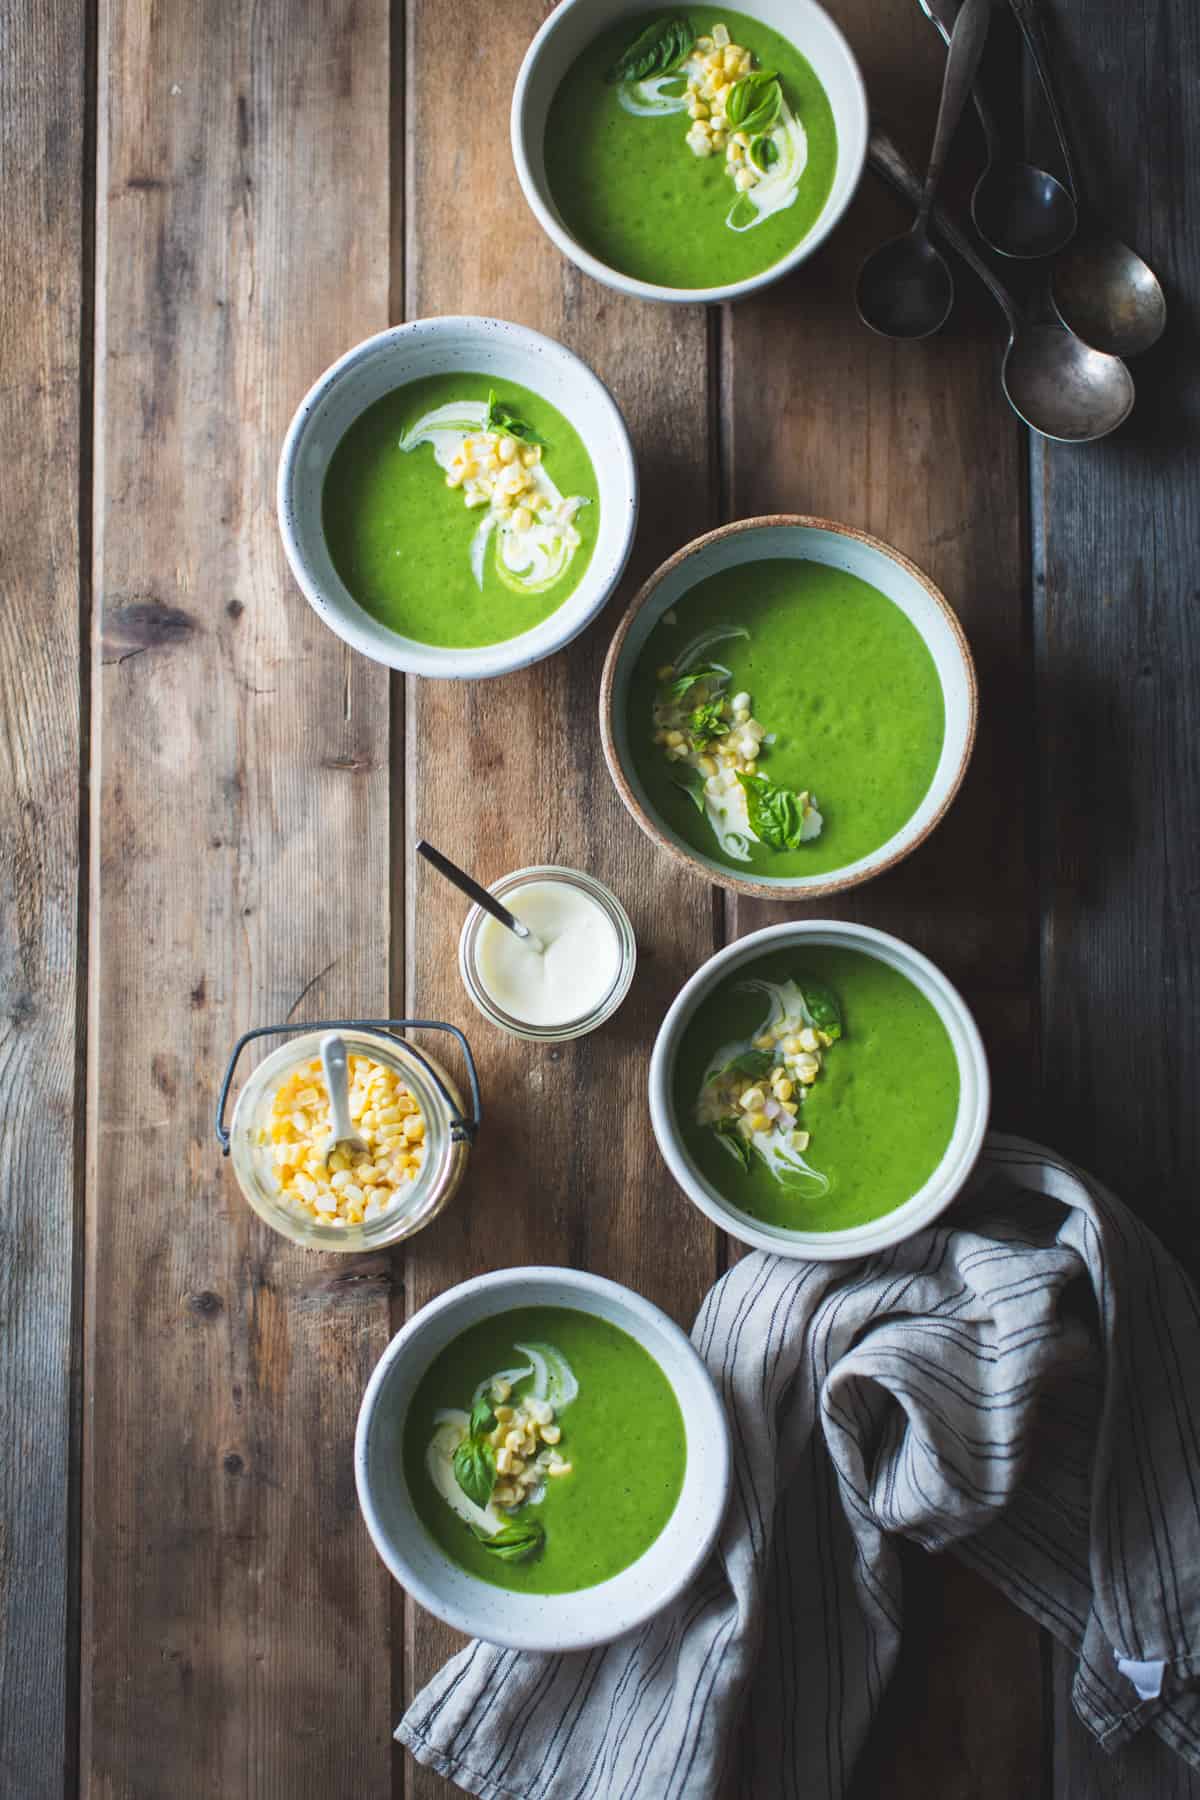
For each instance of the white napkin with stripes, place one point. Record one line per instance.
(1016, 1384)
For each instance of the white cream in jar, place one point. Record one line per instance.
(578, 979)
(574, 972)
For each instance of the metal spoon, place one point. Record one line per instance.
(1018, 209)
(337, 1085)
(467, 885)
(1101, 289)
(1060, 386)
(905, 288)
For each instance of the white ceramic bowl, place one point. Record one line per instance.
(808, 540)
(969, 1126)
(439, 347)
(556, 1622)
(568, 31)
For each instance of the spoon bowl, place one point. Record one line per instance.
(1063, 388)
(905, 288)
(1103, 291)
(1023, 211)
(1019, 211)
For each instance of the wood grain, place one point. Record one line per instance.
(44, 77)
(1118, 659)
(566, 1171)
(235, 1619)
(915, 443)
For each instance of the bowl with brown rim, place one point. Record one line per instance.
(808, 540)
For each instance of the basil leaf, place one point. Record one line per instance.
(513, 1543)
(776, 815)
(823, 1008)
(503, 420)
(754, 1063)
(764, 152)
(691, 783)
(662, 44)
(483, 1419)
(706, 723)
(682, 683)
(475, 1469)
(754, 102)
(727, 1134)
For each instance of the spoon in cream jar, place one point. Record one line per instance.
(488, 902)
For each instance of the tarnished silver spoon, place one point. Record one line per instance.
(1101, 289)
(1060, 386)
(1018, 209)
(905, 288)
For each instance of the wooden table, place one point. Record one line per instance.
(207, 806)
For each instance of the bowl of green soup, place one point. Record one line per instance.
(542, 1459)
(458, 497)
(788, 707)
(819, 1089)
(692, 154)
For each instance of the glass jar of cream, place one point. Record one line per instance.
(575, 981)
(277, 1166)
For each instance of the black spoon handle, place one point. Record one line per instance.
(942, 15)
(1034, 32)
(962, 60)
(471, 888)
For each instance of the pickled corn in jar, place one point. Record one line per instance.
(404, 1106)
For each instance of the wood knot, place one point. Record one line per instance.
(132, 627)
(206, 1303)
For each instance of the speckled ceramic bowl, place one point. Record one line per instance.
(573, 25)
(970, 1124)
(554, 1622)
(843, 547)
(439, 347)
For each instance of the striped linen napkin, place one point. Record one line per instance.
(1011, 1384)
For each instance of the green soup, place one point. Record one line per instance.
(621, 1434)
(879, 1113)
(416, 556)
(840, 680)
(633, 192)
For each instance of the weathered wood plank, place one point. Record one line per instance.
(567, 1170)
(44, 75)
(235, 1620)
(1118, 661)
(915, 443)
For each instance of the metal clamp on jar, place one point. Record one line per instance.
(268, 1149)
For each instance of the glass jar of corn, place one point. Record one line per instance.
(412, 1140)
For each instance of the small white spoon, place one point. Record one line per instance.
(337, 1085)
